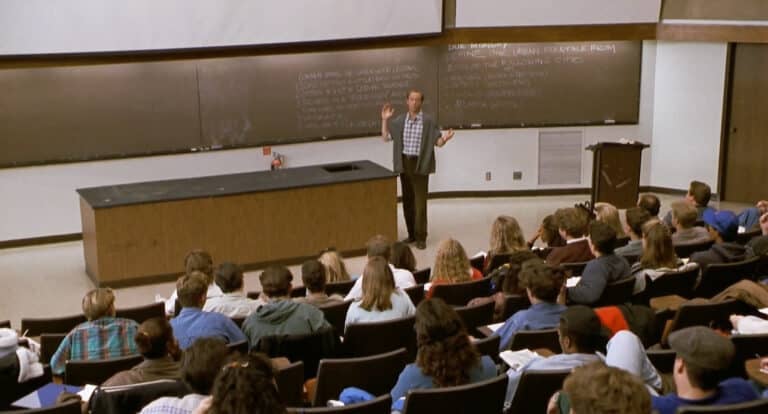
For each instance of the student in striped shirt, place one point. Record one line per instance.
(103, 336)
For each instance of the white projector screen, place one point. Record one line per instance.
(29, 27)
(501, 13)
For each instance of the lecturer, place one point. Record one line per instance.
(415, 137)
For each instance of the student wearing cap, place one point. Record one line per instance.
(723, 227)
(703, 359)
(582, 339)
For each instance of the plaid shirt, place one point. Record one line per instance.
(103, 338)
(412, 134)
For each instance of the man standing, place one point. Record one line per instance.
(415, 135)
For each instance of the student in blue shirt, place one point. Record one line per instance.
(543, 284)
(192, 322)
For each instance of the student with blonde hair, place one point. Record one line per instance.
(452, 265)
(381, 300)
(506, 238)
(335, 270)
(609, 214)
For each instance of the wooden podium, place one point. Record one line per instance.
(616, 173)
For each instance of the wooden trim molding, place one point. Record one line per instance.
(712, 33)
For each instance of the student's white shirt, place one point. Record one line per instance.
(403, 279)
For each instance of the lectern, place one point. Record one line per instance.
(616, 173)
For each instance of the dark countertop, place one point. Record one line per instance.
(232, 184)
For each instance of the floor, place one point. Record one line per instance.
(50, 280)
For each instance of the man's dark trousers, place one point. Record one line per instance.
(414, 190)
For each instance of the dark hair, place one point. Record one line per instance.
(649, 203)
(245, 386)
(658, 251)
(603, 237)
(572, 221)
(700, 192)
(190, 288)
(153, 337)
(313, 275)
(636, 217)
(412, 90)
(379, 245)
(229, 277)
(445, 352)
(703, 378)
(201, 261)
(276, 281)
(549, 232)
(544, 281)
(201, 362)
(511, 282)
(585, 342)
(599, 389)
(402, 257)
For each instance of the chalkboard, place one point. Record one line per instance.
(303, 97)
(78, 113)
(539, 84)
(84, 112)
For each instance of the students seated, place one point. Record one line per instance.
(103, 336)
(698, 195)
(572, 224)
(703, 358)
(600, 389)
(379, 246)
(451, 266)
(723, 227)
(200, 364)
(280, 315)
(402, 257)
(160, 350)
(548, 232)
(605, 268)
(18, 364)
(506, 238)
(335, 270)
(609, 214)
(445, 355)
(684, 217)
(506, 281)
(313, 277)
(192, 322)
(650, 203)
(381, 300)
(758, 246)
(542, 284)
(244, 385)
(658, 257)
(196, 261)
(233, 302)
(636, 218)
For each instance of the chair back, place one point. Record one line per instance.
(130, 399)
(535, 389)
(513, 304)
(542, 338)
(495, 262)
(376, 374)
(422, 276)
(290, 384)
(759, 406)
(96, 372)
(11, 388)
(662, 359)
(617, 293)
(37, 326)
(238, 346)
(415, 293)
(49, 344)
(716, 277)
(705, 314)
(489, 346)
(673, 283)
(476, 316)
(336, 314)
(481, 397)
(308, 348)
(142, 313)
(238, 321)
(5, 324)
(477, 262)
(744, 238)
(631, 258)
(685, 250)
(339, 288)
(747, 346)
(379, 405)
(459, 294)
(574, 268)
(299, 292)
(366, 339)
(254, 294)
(71, 407)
